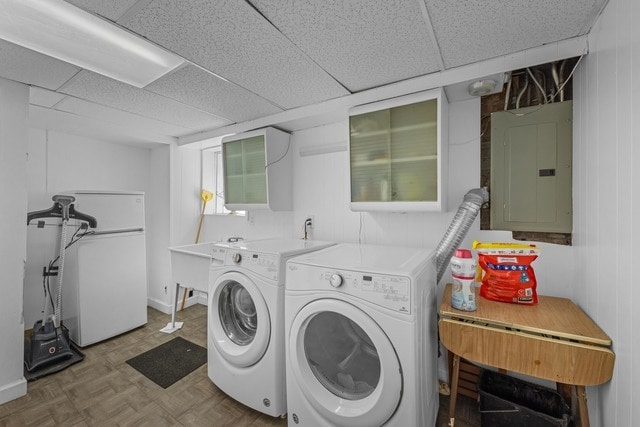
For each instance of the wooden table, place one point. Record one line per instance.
(553, 340)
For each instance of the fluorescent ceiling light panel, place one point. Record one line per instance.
(66, 32)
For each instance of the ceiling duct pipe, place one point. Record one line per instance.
(542, 78)
(556, 77)
(522, 91)
(459, 227)
(538, 85)
(561, 74)
(508, 91)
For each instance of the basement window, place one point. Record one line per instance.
(213, 181)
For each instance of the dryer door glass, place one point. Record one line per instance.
(341, 356)
(237, 313)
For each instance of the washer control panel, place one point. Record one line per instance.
(218, 256)
(336, 280)
(263, 264)
(390, 291)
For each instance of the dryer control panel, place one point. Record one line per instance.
(390, 291)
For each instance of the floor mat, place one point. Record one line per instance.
(170, 362)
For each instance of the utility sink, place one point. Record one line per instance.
(190, 265)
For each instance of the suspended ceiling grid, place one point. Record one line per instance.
(252, 59)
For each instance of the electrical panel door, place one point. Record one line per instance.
(531, 154)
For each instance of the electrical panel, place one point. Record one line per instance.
(531, 168)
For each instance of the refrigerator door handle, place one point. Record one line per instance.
(124, 230)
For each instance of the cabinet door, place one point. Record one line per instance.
(414, 152)
(244, 169)
(394, 157)
(370, 156)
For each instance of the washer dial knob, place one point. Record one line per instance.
(335, 280)
(236, 258)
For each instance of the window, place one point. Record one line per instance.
(213, 181)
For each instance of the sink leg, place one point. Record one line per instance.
(175, 306)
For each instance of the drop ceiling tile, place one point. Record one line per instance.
(363, 44)
(103, 90)
(193, 86)
(43, 97)
(27, 66)
(59, 121)
(474, 30)
(231, 39)
(125, 120)
(112, 9)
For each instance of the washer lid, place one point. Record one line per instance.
(239, 322)
(345, 364)
(283, 247)
(398, 260)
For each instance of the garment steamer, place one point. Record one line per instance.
(48, 347)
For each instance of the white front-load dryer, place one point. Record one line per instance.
(360, 325)
(246, 320)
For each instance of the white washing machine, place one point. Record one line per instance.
(246, 320)
(361, 344)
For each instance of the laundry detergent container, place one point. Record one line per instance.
(507, 401)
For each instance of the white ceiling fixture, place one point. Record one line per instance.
(66, 32)
(481, 87)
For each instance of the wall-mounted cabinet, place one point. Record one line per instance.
(257, 170)
(397, 154)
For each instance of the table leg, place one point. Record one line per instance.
(565, 390)
(455, 372)
(583, 410)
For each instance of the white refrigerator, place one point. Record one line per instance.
(105, 274)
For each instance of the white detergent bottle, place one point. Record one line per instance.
(463, 270)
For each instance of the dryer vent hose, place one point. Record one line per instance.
(459, 227)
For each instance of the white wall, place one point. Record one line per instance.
(61, 162)
(321, 186)
(14, 100)
(257, 225)
(185, 171)
(607, 201)
(158, 234)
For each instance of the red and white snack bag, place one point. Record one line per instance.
(506, 273)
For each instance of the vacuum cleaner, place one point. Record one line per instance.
(48, 348)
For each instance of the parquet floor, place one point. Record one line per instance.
(103, 390)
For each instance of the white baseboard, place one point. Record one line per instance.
(13, 390)
(159, 305)
(197, 298)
